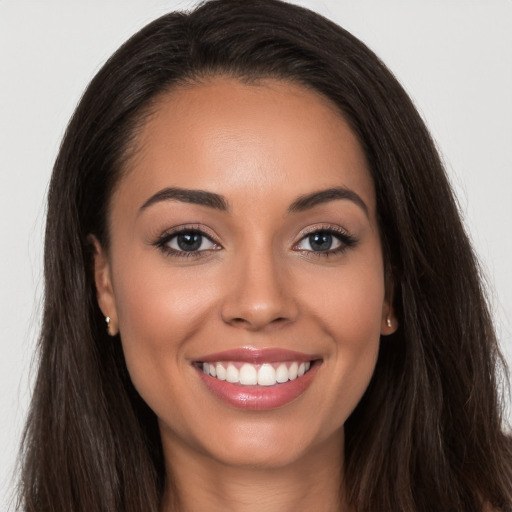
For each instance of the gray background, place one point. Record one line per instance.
(454, 57)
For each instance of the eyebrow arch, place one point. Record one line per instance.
(324, 196)
(201, 197)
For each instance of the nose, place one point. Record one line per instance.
(259, 294)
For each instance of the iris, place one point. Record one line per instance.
(320, 241)
(189, 241)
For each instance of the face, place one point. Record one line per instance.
(244, 244)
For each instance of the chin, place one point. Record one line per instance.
(268, 444)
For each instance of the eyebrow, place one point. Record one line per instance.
(200, 197)
(218, 202)
(324, 196)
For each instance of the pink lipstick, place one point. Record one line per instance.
(257, 379)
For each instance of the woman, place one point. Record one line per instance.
(258, 290)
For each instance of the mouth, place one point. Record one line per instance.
(248, 374)
(257, 379)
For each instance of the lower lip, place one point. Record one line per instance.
(259, 398)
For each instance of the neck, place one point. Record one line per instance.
(313, 482)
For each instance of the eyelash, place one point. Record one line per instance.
(346, 242)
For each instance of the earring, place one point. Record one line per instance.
(388, 321)
(109, 327)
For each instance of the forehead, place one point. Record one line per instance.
(270, 140)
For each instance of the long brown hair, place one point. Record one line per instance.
(427, 435)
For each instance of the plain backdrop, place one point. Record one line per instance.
(454, 57)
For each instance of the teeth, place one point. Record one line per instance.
(221, 371)
(232, 374)
(282, 373)
(292, 372)
(266, 374)
(248, 375)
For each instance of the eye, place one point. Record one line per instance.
(319, 241)
(190, 241)
(325, 242)
(186, 242)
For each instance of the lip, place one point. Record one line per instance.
(258, 356)
(258, 398)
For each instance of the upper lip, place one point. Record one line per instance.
(257, 356)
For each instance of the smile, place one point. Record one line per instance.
(257, 379)
(247, 374)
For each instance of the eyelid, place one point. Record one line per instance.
(334, 229)
(188, 228)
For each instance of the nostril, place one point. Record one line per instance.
(255, 309)
(244, 322)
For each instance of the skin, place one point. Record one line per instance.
(259, 284)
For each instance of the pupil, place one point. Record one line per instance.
(189, 241)
(320, 241)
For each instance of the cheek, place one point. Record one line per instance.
(356, 315)
(156, 300)
(159, 311)
(349, 309)
(349, 300)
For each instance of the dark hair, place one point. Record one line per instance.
(427, 435)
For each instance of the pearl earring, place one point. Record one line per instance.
(109, 327)
(388, 321)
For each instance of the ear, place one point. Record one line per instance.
(389, 322)
(104, 288)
